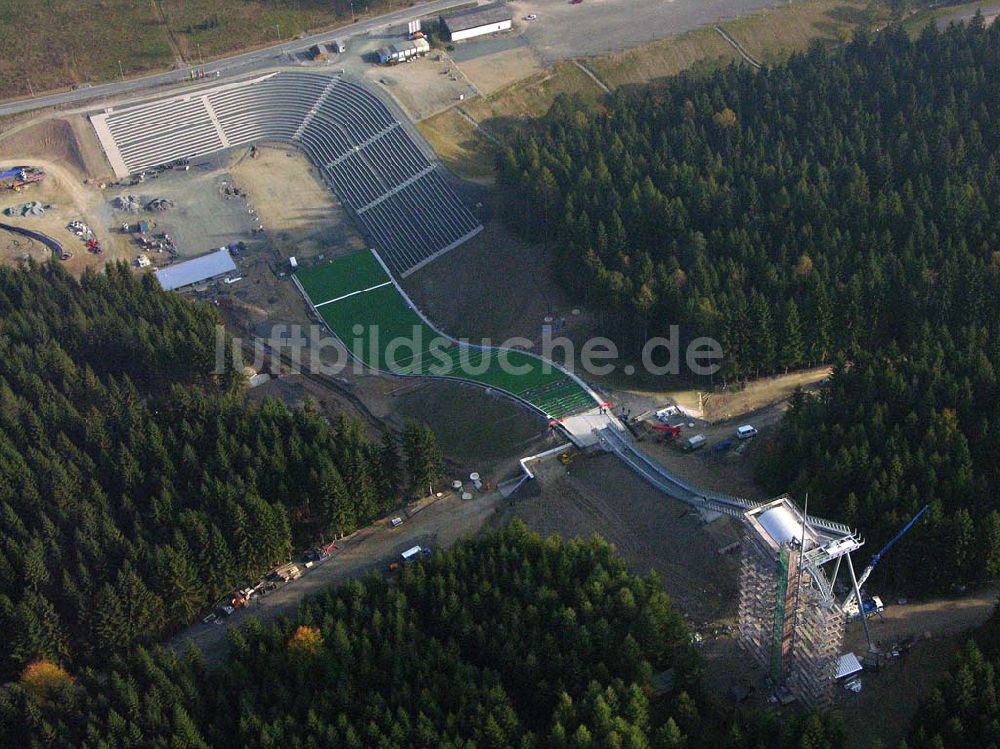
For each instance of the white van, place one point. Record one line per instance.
(745, 432)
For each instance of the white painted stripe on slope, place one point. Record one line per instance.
(107, 140)
(402, 185)
(359, 291)
(358, 148)
(315, 108)
(215, 121)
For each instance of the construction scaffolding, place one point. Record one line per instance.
(789, 619)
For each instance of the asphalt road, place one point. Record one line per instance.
(241, 63)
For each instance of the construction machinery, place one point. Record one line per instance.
(873, 605)
(666, 432)
(20, 176)
(325, 551)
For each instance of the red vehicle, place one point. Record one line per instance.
(667, 432)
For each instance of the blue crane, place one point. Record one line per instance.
(881, 552)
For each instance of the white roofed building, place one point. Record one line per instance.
(478, 21)
(210, 267)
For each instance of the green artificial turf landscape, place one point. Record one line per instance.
(380, 328)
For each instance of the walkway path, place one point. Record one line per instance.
(737, 46)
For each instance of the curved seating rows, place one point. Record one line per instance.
(363, 153)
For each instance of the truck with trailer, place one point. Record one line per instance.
(406, 557)
(19, 176)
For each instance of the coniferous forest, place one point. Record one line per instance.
(844, 206)
(505, 640)
(838, 203)
(963, 710)
(136, 486)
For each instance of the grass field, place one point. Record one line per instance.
(458, 143)
(357, 300)
(57, 43)
(466, 151)
(533, 96)
(663, 58)
(60, 42)
(771, 36)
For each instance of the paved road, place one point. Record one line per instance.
(242, 63)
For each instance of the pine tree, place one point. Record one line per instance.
(389, 466)
(791, 346)
(762, 334)
(424, 462)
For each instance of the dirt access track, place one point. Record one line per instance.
(593, 495)
(432, 523)
(70, 200)
(68, 152)
(888, 699)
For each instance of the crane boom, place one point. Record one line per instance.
(878, 556)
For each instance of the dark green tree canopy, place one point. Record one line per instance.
(136, 485)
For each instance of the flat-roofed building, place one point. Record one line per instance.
(210, 267)
(478, 21)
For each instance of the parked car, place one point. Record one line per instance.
(746, 431)
(695, 442)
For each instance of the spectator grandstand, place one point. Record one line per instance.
(366, 156)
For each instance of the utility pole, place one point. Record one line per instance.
(121, 69)
(277, 30)
(30, 89)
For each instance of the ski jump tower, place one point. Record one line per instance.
(789, 618)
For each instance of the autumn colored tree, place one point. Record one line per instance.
(43, 678)
(305, 641)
